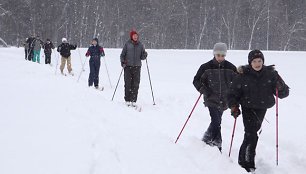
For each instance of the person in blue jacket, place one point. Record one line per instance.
(95, 51)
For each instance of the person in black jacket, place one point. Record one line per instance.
(30, 42)
(48, 46)
(132, 54)
(213, 80)
(64, 48)
(95, 51)
(254, 89)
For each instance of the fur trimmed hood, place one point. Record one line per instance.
(243, 69)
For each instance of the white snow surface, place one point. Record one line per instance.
(50, 124)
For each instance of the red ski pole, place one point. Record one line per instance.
(276, 102)
(229, 154)
(188, 118)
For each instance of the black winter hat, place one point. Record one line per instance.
(255, 54)
(96, 39)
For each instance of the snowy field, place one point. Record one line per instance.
(50, 124)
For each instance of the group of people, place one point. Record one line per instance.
(251, 87)
(33, 46)
(132, 54)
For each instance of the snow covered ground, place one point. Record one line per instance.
(50, 124)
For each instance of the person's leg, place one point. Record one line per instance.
(252, 120)
(69, 64)
(212, 135)
(63, 62)
(34, 56)
(135, 83)
(97, 70)
(26, 54)
(91, 74)
(38, 56)
(127, 83)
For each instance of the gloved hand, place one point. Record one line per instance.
(235, 111)
(123, 64)
(145, 54)
(202, 90)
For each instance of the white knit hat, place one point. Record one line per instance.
(64, 39)
(220, 48)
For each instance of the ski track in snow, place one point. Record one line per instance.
(53, 125)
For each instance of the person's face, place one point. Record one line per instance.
(94, 42)
(135, 37)
(220, 57)
(257, 64)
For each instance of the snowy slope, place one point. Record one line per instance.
(50, 124)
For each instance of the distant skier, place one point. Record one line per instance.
(213, 80)
(26, 48)
(48, 46)
(30, 43)
(95, 51)
(37, 47)
(65, 50)
(132, 54)
(254, 89)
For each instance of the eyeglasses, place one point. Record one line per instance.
(220, 55)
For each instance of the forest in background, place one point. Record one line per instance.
(162, 24)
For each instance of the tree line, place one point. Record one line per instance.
(162, 24)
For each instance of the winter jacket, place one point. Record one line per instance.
(95, 52)
(48, 47)
(133, 53)
(37, 44)
(65, 48)
(213, 79)
(252, 89)
(31, 43)
(26, 44)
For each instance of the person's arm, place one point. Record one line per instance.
(102, 51)
(52, 45)
(280, 85)
(144, 54)
(72, 47)
(88, 52)
(200, 80)
(123, 54)
(235, 92)
(59, 48)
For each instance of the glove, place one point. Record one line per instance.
(123, 64)
(145, 54)
(235, 111)
(202, 90)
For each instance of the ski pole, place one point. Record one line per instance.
(110, 82)
(188, 119)
(150, 81)
(81, 58)
(83, 65)
(57, 57)
(117, 84)
(229, 154)
(276, 102)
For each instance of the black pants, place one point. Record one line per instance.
(94, 65)
(47, 58)
(30, 54)
(212, 135)
(131, 82)
(26, 54)
(252, 120)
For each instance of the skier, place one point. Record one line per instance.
(253, 90)
(95, 51)
(64, 48)
(26, 48)
(30, 43)
(37, 47)
(132, 54)
(48, 46)
(213, 80)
